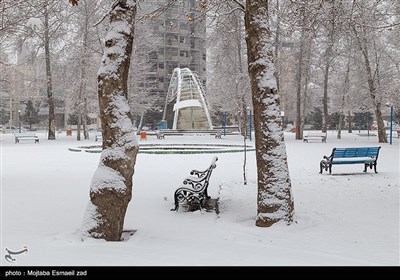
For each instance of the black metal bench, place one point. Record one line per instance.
(26, 136)
(364, 155)
(195, 192)
(320, 136)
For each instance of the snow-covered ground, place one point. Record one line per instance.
(348, 218)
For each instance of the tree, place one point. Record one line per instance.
(111, 187)
(274, 201)
(45, 29)
(31, 115)
(365, 39)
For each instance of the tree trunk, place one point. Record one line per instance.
(328, 57)
(363, 47)
(111, 186)
(342, 101)
(350, 120)
(82, 106)
(299, 74)
(50, 99)
(274, 200)
(325, 113)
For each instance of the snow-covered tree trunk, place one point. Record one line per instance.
(274, 201)
(82, 101)
(111, 186)
(49, 86)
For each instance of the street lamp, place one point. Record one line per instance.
(388, 104)
(19, 121)
(224, 123)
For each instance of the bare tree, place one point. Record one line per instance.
(365, 40)
(275, 202)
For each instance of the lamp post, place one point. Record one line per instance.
(391, 122)
(224, 123)
(19, 121)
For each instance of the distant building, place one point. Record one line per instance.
(182, 46)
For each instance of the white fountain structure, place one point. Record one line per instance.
(190, 107)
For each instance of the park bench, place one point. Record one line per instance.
(26, 136)
(194, 193)
(320, 136)
(160, 135)
(364, 155)
(98, 137)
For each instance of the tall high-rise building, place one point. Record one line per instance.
(182, 45)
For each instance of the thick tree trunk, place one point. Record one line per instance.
(111, 187)
(49, 86)
(274, 201)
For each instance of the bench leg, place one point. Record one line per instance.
(176, 204)
(365, 167)
(330, 168)
(375, 168)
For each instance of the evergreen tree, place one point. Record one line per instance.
(31, 115)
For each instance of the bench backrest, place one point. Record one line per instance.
(25, 134)
(355, 152)
(316, 134)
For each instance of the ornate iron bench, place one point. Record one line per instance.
(195, 192)
(26, 136)
(321, 136)
(365, 155)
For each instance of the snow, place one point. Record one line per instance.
(187, 103)
(34, 22)
(107, 178)
(114, 54)
(348, 218)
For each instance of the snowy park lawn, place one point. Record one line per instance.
(348, 218)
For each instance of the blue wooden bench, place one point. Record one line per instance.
(194, 193)
(364, 155)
